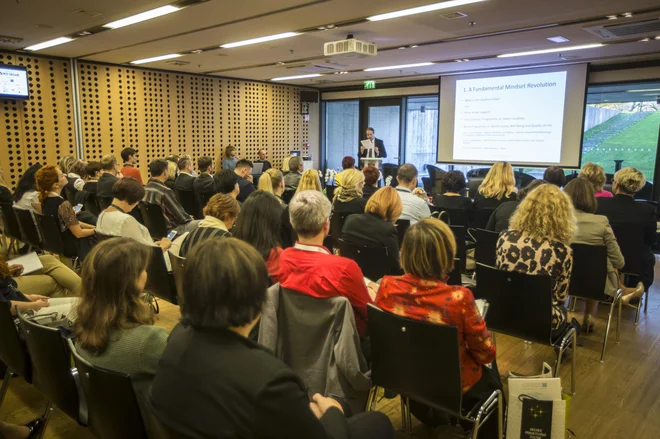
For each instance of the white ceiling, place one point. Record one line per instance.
(217, 22)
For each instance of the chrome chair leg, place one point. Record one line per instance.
(607, 331)
(404, 418)
(573, 357)
(618, 320)
(46, 416)
(408, 415)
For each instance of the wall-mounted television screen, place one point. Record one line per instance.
(13, 82)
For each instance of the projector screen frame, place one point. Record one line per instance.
(513, 69)
(27, 79)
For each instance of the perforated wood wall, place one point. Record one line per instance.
(41, 129)
(162, 113)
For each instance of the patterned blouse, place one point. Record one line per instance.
(434, 301)
(518, 251)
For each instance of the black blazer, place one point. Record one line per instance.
(354, 206)
(624, 210)
(204, 184)
(499, 219)
(184, 182)
(382, 153)
(368, 191)
(371, 230)
(222, 385)
(104, 185)
(481, 202)
(246, 188)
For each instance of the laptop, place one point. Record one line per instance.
(257, 168)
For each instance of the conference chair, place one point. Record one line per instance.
(435, 176)
(52, 373)
(646, 193)
(160, 283)
(477, 173)
(473, 185)
(402, 226)
(480, 218)
(455, 217)
(50, 234)
(104, 202)
(92, 204)
(485, 245)
(461, 247)
(178, 264)
(631, 242)
(588, 279)
(337, 221)
(522, 179)
(13, 352)
(188, 200)
(455, 277)
(113, 408)
(373, 261)
(29, 231)
(70, 194)
(409, 355)
(154, 220)
(11, 228)
(288, 194)
(520, 305)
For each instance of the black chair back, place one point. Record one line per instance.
(646, 193)
(631, 242)
(92, 204)
(188, 200)
(373, 261)
(485, 246)
(336, 226)
(402, 226)
(70, 191)
(457, 217)
(12, 349)
(178, 264)
(50, 233)
(104, 202)
(28, 227)
(154, 220)
(288, 194)
(461, 248)
(520, 304)
(114, 412)
(11, 227)
(160, 282)
(407, 357)
(51, 366)
(589, 273)
(436, 175)
(480, 218)
(477, 173)
(523, 179)
(473, 185)
(455, 275)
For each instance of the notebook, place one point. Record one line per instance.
(30, 262)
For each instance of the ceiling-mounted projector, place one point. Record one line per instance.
(349, 47)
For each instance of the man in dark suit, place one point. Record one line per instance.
(244, 171)
(185, 180)
(262, 159)
(379, 146)
(204, 186)
(623, 210)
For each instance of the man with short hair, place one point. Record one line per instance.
(157, 193)
(109, 176)
(309, 268)
(226, 182)
(185, 180)
(129, 157)
(292, 179)
(378, 145)
(244, 171)
(262, 159)
(414, 208)
(204, 185)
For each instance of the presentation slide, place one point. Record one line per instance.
(13, 82)
(526, 117)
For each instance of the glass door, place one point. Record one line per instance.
(384, 116)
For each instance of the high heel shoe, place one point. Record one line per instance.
(588, 324)
(36, 428)
(638, 293)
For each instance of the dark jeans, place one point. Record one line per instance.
(370, 425)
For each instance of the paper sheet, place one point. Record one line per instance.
(30, 262)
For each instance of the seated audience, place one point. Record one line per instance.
(184, 181)
(285, 165)
(93, 169)
(259, 225)
(623, 210)
(109, 176)
(499, 219)
(261, 154)
(595, 230)
(204, 186)
(226, 182)
(375, 228)
(538, 242)
(229, 158)
(116, 220)
(129, 157)
(244, 171)
(213, 381)
(272, 181)
(427, 257)
(348, 197)
(311, 269)
(26, 196)
(114, 329)
(172, 170)
(65, 163)
(176, 217)
(347, 162)
(498, 187)
(555, 175)
(75, 234)
(595, 174)
(414, 208)
(55, 278)
(371, 179)
(77, 175)
(292, 178)
(309, 181)
(220, 214)
(453, 182)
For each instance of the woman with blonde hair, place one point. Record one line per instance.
(65, 163)
(272, 181)
(538, 242)
(498, 187)
(348, 197)
(285, 165)
(309, 181)
(595, 174)
(375, 228)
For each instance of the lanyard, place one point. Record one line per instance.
(118, 208)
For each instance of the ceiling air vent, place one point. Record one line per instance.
(177, 63)
(453, 15)
(643, 28)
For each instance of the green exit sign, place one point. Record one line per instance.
(369, 85)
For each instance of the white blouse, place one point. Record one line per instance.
(121, 224)
(28, 200)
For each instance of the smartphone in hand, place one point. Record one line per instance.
(78, 208)
(171, 235)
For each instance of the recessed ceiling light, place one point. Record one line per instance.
(414, 46)
(644, 40)
(285, 78)
(260, 40)
(658, 37)
(144, 16)
(156, 58)
(422, 9)
(556, 49)
(402, 48)
(49, 43)
(612, 17)
(627, 14)
(404, 66)
(558, 39)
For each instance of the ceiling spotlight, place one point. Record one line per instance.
(414, 46)
(321, 28)
(558, 39)
(196, 52)
(627, 14)
(644, 40)
(612, 17)
(331, 26)
(402, 47)
(83, 33)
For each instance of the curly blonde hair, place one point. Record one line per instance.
(546, 212)
(594, 174)
(350, 188)
(499, 182)
(629, 180)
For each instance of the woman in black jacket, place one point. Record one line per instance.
(212, 381)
